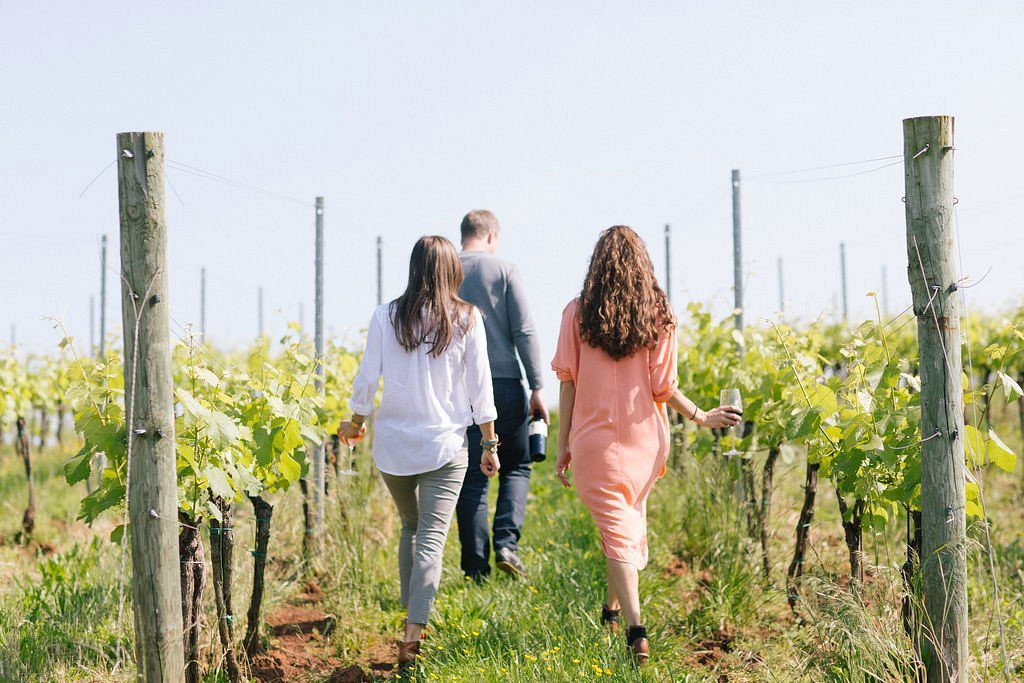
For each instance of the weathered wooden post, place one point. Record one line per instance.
(842, 281)
(318, 469)
(737, 251)
(152, 485)
(928, 167)
(380, 271)
(668, 262)
(782, 291)
(102, 348)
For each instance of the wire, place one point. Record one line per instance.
(822, 168)
(93, 181)
(827, 178)
(207, 175)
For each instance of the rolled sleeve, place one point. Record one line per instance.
(478, 373)
(367, 381)
(567, 354)
(664, 361)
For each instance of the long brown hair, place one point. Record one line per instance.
(430, 310)
(622, 308)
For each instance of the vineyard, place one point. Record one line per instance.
(796, 561)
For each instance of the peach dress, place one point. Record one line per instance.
(620, 436)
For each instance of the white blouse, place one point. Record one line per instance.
(428, 402)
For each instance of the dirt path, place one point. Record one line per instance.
(301, 649)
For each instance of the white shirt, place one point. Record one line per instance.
(428, 402)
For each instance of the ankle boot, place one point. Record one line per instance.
(636, 640)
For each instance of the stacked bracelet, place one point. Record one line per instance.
(489, 444)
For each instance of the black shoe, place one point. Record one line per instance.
(479, 578)
(509, 562)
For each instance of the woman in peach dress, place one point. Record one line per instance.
(616, 360)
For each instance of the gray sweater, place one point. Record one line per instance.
(496, 288)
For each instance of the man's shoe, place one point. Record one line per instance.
(509, 562)
(408, 652)
(479, 578)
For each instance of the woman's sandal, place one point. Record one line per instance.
(636, 640)
(610, 617)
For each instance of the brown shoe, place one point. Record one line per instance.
(636, 639)
(408, 652)
(610, 618)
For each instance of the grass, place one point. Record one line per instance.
(711, 615)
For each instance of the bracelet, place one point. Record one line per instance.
(696, 410)
(489, 444)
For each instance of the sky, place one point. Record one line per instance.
(563, 118)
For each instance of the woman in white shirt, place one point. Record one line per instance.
(430, 347)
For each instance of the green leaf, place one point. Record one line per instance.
(218, 482)
(1000, 454)
(988, 449)
(79, 467)
(1011, 390)
(117, 534)
(290, 469)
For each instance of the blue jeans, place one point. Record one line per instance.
(512, 427)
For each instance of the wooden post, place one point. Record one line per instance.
(259, 297)
(885, 292)
(782, 291)
(842, 278)
(668, 262)
(380, 276)
(101, 350)
(149, 401)
(319, 469)
(928, 167)
(202, 304)
(92, 324)
(737, 251)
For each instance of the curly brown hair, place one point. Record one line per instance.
(622, 307)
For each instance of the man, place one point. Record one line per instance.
(496, 288)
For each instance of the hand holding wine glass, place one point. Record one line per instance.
(731, 404)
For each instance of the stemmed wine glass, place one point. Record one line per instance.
(351, 471)
(731, 397)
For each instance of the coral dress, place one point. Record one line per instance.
(620, 436)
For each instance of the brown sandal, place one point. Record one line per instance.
(636, 639)
(610, 618)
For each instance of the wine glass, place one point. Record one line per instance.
(731, 397)
(351, 471)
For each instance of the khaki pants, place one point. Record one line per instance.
(426, 504)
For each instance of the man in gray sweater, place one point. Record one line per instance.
(496, 288)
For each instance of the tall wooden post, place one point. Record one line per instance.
(737, 250)
(102, 349)
(259, 305)
(842, 279)
(885, 292)
(319, 465)
(92, 324)
(202, 304)
(149, 401)
(380, 268)
(782, 291)
(928, 167)
(668, 262)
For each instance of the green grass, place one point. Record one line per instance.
(710, 614)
